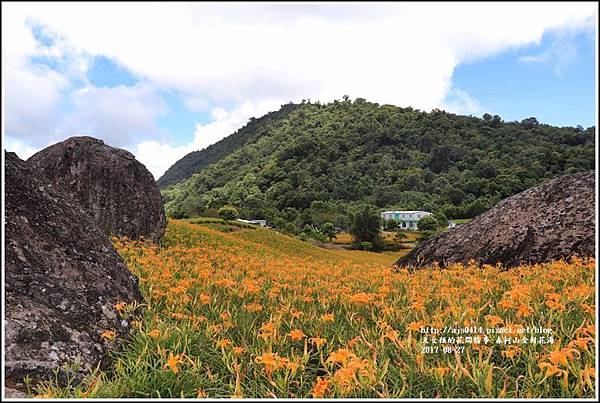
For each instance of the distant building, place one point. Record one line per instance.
(407, 219)
(262, 223)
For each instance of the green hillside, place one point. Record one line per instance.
(195, 161)
(310, 162)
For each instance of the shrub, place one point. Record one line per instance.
(428, 223)
(228, 213)
(365, 226)
(400, 236)
(390, 225)
(441, 219)
(328, 229)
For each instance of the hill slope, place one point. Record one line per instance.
(195, 161)
(345, 152)
(253, 313)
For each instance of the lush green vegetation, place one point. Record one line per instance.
(365, 228)
(195, 161)
(228, 213)
(313, 163)
(221, 223)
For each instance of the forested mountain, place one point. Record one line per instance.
(309, 162)
(195, 161)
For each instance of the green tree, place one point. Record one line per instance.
(390, 225)
(441, 219)
(366, 226)
(428, 223)
(228, 213)
(328, 229)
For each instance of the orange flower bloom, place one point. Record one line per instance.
(328, 317)
(510, 352)
(320, 387)
(238, 350)
(271, 361)
(580, 343)
(253, 308)
(109, 334)
(223, 343)
(415, 326)
(204, 299)
(317, 341)
(493, 320)
(524, 310)
(562, 356)
(173, 361)
(340, 356)
(551, 369)
(296, 334)
(361, 298)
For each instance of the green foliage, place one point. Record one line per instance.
(428, 223)
(328, 229)
(177, 212)
(310, 232)
(390, 225)
(311, 163)
(365, 227)
(218, 222)
(197, 160)
(400, 236)
(441, 219)
(228, 213)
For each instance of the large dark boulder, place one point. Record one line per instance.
(548, 222)
(116, 189)
(62, 280)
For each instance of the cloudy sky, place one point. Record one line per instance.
(162, 80)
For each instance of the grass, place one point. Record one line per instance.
(254, 313)
(392, 246)
(219, 223)
(459, 221)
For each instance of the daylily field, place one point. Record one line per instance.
(254, 313)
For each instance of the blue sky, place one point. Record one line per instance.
(506, 84)
(177, 124)
(182, 77)
(561, 95)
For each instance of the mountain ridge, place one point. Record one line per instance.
(196, 160)
(347, 152)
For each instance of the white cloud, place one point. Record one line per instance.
(564, 49)
(460, 102)
(31, 93)
(237, 57)
(32, 98)
(23, 150)
(158, 157)
(121, 115)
